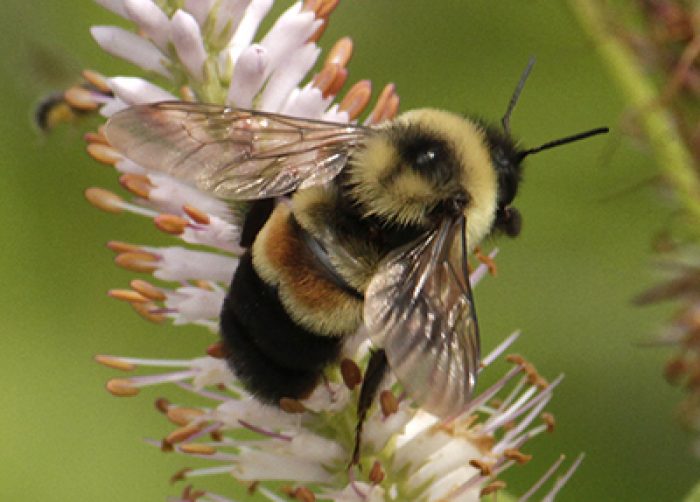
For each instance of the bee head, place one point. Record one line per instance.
(424, 166)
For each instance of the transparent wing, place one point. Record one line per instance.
(419, 308)
(233, 153)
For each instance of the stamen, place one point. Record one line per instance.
(115, 363)
(180, 415)
(492, 487)
(105, 200)
(340, 53)
(81, 98)
(351, 373)
(383, 102)
(121, 387)
(549, 421)
(357, 98)
(376, 474)
(95, 137)
(127, 295)
(98, 80)
(515, 454)
(293, 406)
(148, 290)
(217, 350)
(324, 79)
(171, 224)
(138, 184)
(388, 403)
(197, 449)
(103, 153)
(138, 261)
(183, 433)
(303, 494)
(542, 480)
(485, 468)
(563, 480)
(197, 215)
(147, 312)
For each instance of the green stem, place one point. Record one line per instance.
(640, 91)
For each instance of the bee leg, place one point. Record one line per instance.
(376, 370)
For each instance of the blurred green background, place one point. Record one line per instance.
(566, 282)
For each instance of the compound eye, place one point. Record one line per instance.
(426, 158)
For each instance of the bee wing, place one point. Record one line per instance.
(233, 153)
(419, 308)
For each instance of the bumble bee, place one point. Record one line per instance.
(376, 235)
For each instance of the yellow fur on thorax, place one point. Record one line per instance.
(404, 199)
(310, 299)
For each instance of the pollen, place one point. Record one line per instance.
(104, 200)
(115, 363)
(122, 387)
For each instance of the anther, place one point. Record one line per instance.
(675, 369)
(162, 404)
(123, 247)
(145, 310)
(138, 184)
(486, 260)
(323, 80)
(485, 468)
(388, 403)
(492, 487)
(148, 290)
(357, 98)
(376, 474)
(303, 494)
(516, 359)
(380, 108)
(127, 295)
(351, 373)
(121, 387)
(197, 449)
(80, 98)
(137, 261)
(197, 215)
(180, 415)
(217, 350)
(340, 53)
(515, 454)
(115, 363)
(290, 405)
(187, 94)
(549, 421)
(95, 137)
(170, 223)
(104, 200)
(103, 153)
(338, 82)
(180, 475)
(183, 433)
(98, 80)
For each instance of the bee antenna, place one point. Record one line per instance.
(563, 141)
(505, 121)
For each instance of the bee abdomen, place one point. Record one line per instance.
(271, 354)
